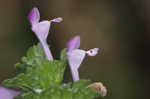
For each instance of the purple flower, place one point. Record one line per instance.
(76, 55)
(41, 30)
(6, 93)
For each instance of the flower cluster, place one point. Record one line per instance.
(75, 56)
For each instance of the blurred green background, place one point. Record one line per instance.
(120, 27)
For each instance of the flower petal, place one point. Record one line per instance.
(92, 52)
(6, 93)
(41, 29)
(34, 16)
(74, 43)
(75, 74)
(59, 19)
(47, 50)
(75, 58)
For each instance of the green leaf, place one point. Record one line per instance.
(81, 91)
(36, 72)
(40, 77)
(79, 85)
(52, 93)
(66, 91)
(63, 56)
(35, 56)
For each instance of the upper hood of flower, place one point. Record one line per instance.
(34, 16)
(74, 43)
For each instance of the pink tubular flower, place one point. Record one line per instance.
(76, 55)
(6, 93)
(41, 30)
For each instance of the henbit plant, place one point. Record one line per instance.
(40, 76)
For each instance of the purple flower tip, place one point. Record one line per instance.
(34, 16)
(74, 43)
(59, 19)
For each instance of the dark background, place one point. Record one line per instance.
(120, 27)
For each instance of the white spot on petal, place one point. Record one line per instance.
(92, 52)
